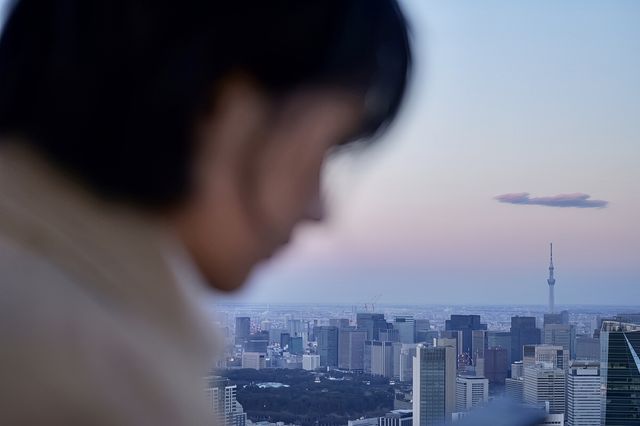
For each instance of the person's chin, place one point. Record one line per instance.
(225, 279)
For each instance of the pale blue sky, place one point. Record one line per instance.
(528, 96)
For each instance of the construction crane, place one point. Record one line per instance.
(372, 304)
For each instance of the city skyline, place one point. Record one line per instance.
(442, 363)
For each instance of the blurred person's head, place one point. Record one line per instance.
(214, 116)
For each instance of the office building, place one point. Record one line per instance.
(310, 362)
(389, 335)
(284, 339)
(455, 342)
(369, 421)
(583, 394)
(407, 353)
(372, 324)
(397, 418)
(495, 365)
(327, 337)
(378, 358)
(434, 374)
(257, 342)
(557, 318)
(243, 330)
(500, 339)
(465, 324)
(587, 348)
(296, 345)
(620, 373)
(221, 397)
(265, 325)
(553, 420)
(479, 344)
(514, 389)
(351, 349)
(523, 332)
(295, 327)
(406, 326)
(424, 332)
(629, 317)
(254, 360)
(557, 356)
(544, 383)
(560, 335)
(339, 322)
(517, 370)
(471, 391)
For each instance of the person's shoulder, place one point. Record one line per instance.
(69, 356)
(57, 342)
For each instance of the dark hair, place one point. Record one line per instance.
(110, 90)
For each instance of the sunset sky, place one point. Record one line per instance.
(521, 128)
(508, 98)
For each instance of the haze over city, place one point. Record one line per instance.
(520, 130)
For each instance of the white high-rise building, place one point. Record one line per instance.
(555, 355)
(221, 397)
(434, 380)
(407, 353)
(310, 362)
(517, 370)
(583, 394)
(470, 392)
(545, 384)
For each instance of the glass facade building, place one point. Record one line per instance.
(620, 373)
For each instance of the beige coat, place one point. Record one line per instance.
(94, 329)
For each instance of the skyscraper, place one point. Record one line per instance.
(423, 331)
(471, 391)
(351, 349)
(587, 348)
(583, 394)
(620, 373)
(466, 324)
(310, 362)
(543, 383)
(495, 365)
(327, 345)
(552, 283)
(557, 318)
(378, 358)
(407, 353)
(296, 345)
(372, 324)
(560, 335)
(523, 332)
(557, 356)
(434, 373)
(221, 397)
(243, 329)
(257, 342)
(500, 339)
(406, 326)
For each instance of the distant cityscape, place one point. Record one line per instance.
(383, 365)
